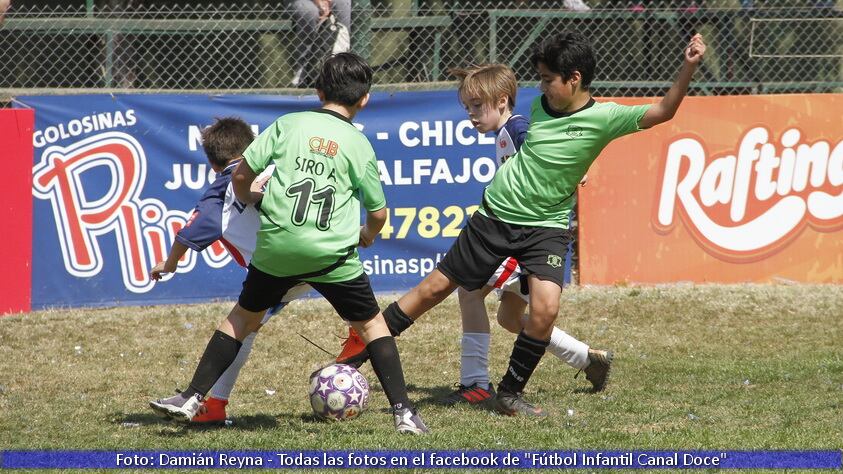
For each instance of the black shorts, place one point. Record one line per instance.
(484, 243)
(352, 299)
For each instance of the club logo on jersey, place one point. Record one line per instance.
(573, 131)
(504, 143)
(554, 261)
(323, 146)
(94, 187)
(748, 203)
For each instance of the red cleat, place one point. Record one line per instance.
(354, 351)
(212, 411)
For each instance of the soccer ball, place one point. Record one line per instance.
(338, 392)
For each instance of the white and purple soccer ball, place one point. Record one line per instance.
(338, 392)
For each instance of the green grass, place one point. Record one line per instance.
(697, 367)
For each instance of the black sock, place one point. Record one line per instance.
(525, 357)
(387, 365)
(396, 319)
(219, 354)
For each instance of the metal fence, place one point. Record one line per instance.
(754, 46)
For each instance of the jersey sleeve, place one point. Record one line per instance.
(264, 149)
(624, 119)
(371, 189)
(205, 224)
(517, 129)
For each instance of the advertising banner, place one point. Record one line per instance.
(115, 177)
(733, 189)
(16, 211)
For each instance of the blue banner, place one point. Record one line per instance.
(447, 459)
(115, 177)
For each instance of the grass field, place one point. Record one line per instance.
(697, 367)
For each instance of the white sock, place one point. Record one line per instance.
(222, 389)
(474, 360)
(568, 349)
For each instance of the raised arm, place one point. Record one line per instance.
(241, 181)
(666, 109)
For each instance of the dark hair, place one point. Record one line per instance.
(565, 53)
(226, 139)
(344, 78)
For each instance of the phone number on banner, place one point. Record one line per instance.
(428, 222)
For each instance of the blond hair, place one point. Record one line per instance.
(488, 82)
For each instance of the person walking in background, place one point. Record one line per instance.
(311, 47)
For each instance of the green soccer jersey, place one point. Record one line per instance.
(310, 213)
(536, 186)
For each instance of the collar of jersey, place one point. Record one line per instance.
(335, 114)
(556, 114)
(230, 167)
(498, 132)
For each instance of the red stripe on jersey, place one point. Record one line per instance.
(235, 254)
(509, 267)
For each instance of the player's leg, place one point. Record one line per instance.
(220, 352)
(529, 348)
(213, 408)
(539, 255)
(355, 302)
(474, 386)
(305, 16)
(260, 291)
(468, 263)
(427, 294)
(596, 363)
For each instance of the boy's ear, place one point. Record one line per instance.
(576, 78)
(363, 101)
(321, 95)
(503, 102)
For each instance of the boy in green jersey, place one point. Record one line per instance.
(525, 210)
(325, 170)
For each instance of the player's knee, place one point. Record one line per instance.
(512, 325)
(435, 289)
(544, 310)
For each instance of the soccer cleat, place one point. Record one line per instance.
(409, 421)
(212, 411)
(598, 368)
(179, 408)
(512, 404)
(354, 352)
(472, 394)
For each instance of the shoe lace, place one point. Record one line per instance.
(352, 338)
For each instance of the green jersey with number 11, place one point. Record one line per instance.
(310, 214)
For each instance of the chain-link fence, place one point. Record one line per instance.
(754, 45)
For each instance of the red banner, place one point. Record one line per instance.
(733, 189)
(16, 128)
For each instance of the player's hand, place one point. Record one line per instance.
(159, 270)
(366, 240)
(259, 184)
(584, 180)
(695, 50)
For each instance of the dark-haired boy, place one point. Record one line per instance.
(525, 210)
(310, 229)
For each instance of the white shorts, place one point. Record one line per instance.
(508, 278)
(293, 293)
